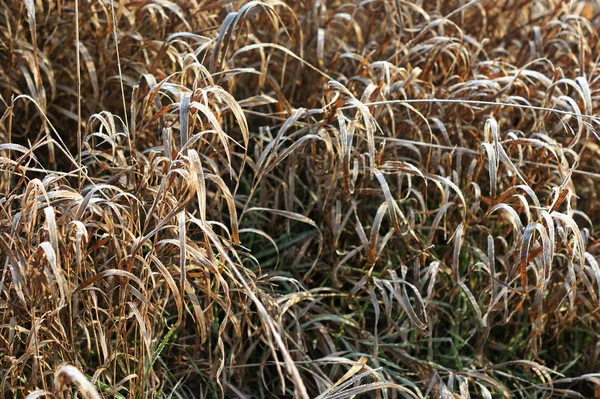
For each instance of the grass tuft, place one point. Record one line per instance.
(299, 199)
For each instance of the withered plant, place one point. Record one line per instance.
(313, 199)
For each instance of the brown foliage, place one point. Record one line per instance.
(299, 199)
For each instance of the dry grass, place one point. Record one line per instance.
(299, 199)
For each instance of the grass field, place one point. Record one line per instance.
(313, 199)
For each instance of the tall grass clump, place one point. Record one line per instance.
(313, 199)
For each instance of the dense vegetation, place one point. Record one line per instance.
(299, 198)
